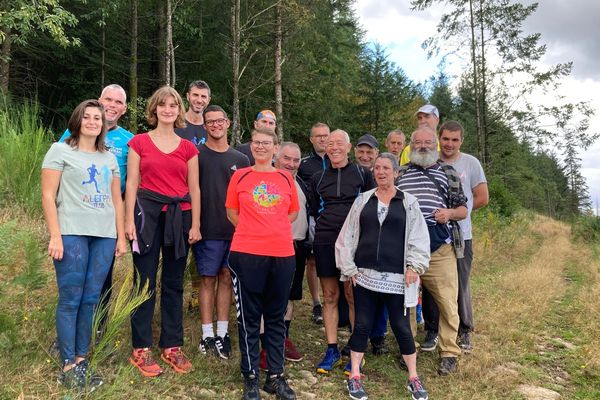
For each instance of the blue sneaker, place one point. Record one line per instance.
(348, 367)
(331, 359)
(417, 389)
(356, 390)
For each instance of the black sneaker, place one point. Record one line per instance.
(212, 346)
(92, 380)
(378, 345)
(447, 366)
(278, 386)
(251, 391)
(431, 341)
(72, 379)
(417, 390)
(464, 342)
(226, 351)
(317, 314)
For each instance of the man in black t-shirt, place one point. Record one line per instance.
(198, 97)
(217, 162)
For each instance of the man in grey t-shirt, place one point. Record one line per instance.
(451, 135)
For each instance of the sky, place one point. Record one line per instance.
(568, 28)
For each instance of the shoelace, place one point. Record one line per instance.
(416, 383)
(146, 357)
(354, 384)
(177, 355)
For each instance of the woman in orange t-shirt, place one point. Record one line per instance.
(262, 202)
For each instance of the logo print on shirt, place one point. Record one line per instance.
(266, 195)
(234, 167)
(92, 171)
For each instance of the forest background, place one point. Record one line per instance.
(309, 61)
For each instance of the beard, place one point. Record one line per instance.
(423, 157)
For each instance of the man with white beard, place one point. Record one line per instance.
(443, 203)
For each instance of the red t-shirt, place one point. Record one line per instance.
(263, 200)
(164, 173)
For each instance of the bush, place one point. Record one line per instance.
(587, 228)
(502, 202)
(23, 144)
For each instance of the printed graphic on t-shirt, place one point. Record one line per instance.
(198, 140)
(99, 181)
(266, 196)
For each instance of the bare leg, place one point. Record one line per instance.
(207, 298)
(331, 293)
(312, 279)
(223, 295)
(356, 360)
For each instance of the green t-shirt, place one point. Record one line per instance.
(84, 199)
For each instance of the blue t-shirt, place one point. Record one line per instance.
(116, 140)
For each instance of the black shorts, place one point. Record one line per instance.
(325, 261)
(301, 251)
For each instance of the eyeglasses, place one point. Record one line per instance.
(264, 143)
(214, 122)
(420, 143)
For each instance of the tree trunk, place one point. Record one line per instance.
(160, 40)
(480, 143)
(235, 62)
(133, 60)
(168, 44)
(103, 55)
(278, 63)
(484, 127)
(5, 60)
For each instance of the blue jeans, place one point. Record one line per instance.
(80, 276)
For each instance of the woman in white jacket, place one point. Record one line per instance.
(382, 248)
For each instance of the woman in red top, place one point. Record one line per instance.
(162, 212)
(262, 202)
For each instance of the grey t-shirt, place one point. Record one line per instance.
(84, 199)
(471, 175)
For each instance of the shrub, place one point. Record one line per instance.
(587, 228)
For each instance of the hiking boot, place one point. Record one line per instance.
(330, 360)
(464, 342)
(291, 352)
(356, 389)
(142, 359)
(176, 359)
(378, 346)
(431, 341)
(278, 386)
(417, 390)
(72, 379)
(447, 366)
(212, 346)
(262, 362)
(348, 367)
(226, 351)
(251, 391)
(91, 379)
(317, 314)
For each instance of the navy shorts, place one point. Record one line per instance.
(325, 261)
(211, 256)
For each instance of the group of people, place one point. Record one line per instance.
(256, 218)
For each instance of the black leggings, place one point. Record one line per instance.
(365, 304)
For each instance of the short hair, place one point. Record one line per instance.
(319, 125)
(268, 132)
(113, 86)
(158, 98)
(214, 108)
(424, 129)
(392, 158)
(452, 126)
(289, 144)
(396, 132)
(76, 118)
(346, 136)
(199, 84)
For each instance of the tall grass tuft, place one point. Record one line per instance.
(33, 277)
(23, 143)
(20, 251)
(129, 297)
(586, 228)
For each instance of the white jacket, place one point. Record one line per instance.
(416, 246)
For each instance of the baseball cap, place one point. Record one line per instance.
(429, 109)
(266, 114)
(369, 140)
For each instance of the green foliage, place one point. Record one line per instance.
(18, 244)
(502, 202)
(23, 143)
(33, 276)
(586, 228)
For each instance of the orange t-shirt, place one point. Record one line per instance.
(263, 201)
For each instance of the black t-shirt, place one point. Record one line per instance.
(216, 170)
(245, 149)
(194, 133)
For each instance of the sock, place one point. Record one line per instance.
(222, 328)
(332, 346)
(316, 303)
(262, 340)
(207, 331)
(287, 328)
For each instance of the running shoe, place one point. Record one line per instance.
(331, 359)
(226, 352)
(291, 352)
(447, 366)
(142, 359)
(176, 359)
(278, 386)
(251, 391)
(212, 346)
(317, 314)
(356, 390)
(72, 379)
(431, 341)
(91, 379)
(348, 367)
(464, 342)
(417, 389)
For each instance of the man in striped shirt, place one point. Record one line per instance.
(441, 202)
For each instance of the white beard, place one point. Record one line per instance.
(423, 159)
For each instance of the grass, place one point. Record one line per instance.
(535, 298)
